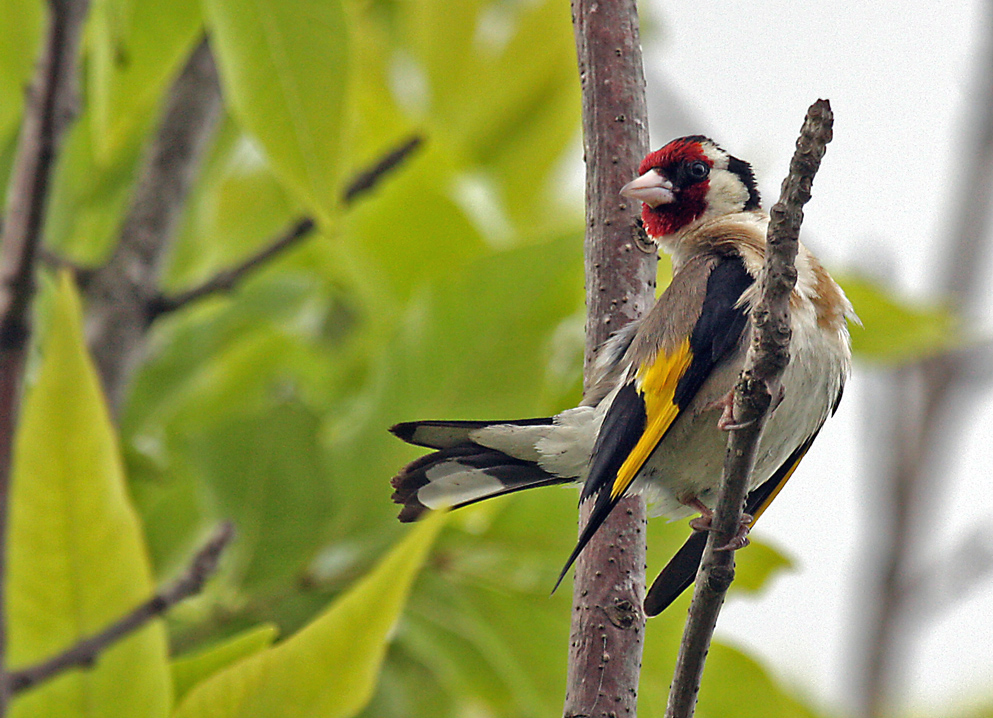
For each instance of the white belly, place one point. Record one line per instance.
(689, 462)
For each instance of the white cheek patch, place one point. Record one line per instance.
(727, 194)
(452, 483)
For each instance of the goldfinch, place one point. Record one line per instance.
(656, 417)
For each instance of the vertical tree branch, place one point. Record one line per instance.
(921, 410)
(767, 358)
(608, 620)
(47, 113)
(118, 294)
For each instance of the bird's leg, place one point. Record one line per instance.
(703, 521)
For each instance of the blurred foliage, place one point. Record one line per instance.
(452, 290)
(897, 331)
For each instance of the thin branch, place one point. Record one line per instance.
(47, 113)
(57, 263)
(767, 358)
(118, 293)
(368, 179)
(608, 591)
(85, 653)
(227, 279)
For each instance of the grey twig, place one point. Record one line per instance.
(118, 292)
(47, 113)
(86, 652)
(369, 178)
(767, 358)
(608, 591)
(227, 279)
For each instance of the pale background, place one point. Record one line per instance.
(899, 77)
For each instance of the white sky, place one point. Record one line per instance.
(898, 76)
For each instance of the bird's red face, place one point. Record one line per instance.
(677, 185)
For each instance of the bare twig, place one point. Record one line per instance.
(47, 113)
(86, 652)
(227, 279)
(767, 358)
(608, 591)
(119, 291)
(56, 262)
(369, 178)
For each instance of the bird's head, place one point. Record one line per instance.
(690, 180)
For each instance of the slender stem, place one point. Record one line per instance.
(47, 113)
(608, 619)
(227, 279)
(767, 358)
(86, 652)
(369, 178)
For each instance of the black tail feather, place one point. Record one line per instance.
(510, 475)
(677, 576)
(449, 434)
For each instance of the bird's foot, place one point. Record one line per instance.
(727, 422)
(740, 539)
(705, 522)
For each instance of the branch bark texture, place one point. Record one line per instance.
(118, 293)
(85, 653)
(608, 621)
(47, 113)
(767, 358)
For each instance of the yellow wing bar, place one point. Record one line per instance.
(656, 382)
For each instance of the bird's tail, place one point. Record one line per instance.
(472, 461)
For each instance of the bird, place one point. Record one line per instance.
(655, 418)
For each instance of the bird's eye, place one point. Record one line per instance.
(697, 170)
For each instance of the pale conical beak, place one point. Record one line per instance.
(651, 188)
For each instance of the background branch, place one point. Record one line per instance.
(118, 292)
(608, 591)
(227, 279)
(86, 652)
(922, 408)
(767, 358)
(47, 113)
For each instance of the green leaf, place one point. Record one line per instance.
(328, 669)
(897, 331)
(188, 671)
(734, 684)
(77, 558)
(236, 206)
(136, 47)
(285, 66)
(22, 22)
(89, 197)
(265, 471)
